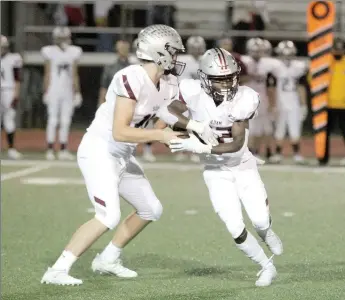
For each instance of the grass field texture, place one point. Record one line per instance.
(186, 255)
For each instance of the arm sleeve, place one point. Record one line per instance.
(127, 85)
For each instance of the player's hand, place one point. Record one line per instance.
(15, 102)
(78, 100)
(192, 145)
(168, 135)
(304, 112)
(209, 136)
(45, 99)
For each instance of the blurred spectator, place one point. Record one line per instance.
(101, 11)
(75, 14)
(122, 51)
(336, 95)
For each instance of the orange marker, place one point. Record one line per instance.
(320, 22)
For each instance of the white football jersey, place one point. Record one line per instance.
(9, 62)
(287, 77)
(260, 69)
(192, 67)
(202, 108)
(61, 66)
(134, 83)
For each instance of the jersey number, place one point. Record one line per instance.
(288, 85)
(63, 67)
(145, 121)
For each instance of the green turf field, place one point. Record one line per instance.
(186, 255)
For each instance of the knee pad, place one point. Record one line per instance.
(152, 212)
(109, 219)
(261, 224)
(52, 121)
(9, 121)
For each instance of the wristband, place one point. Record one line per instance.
(195, 126)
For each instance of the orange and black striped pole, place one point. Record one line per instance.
(320, 22)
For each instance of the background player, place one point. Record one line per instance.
(11, 64)
(258, 68)
(231, 173)
(196, 46)
(105, 155)
(61, 89)
(291, 100)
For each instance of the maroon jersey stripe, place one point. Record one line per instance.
(99, 201)
(128, 87)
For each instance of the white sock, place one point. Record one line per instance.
(111, 253)
(65, 261)
(253, 250)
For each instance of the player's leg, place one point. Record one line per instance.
(136, 190)
(268, 139)
(67, 110)
(101, 174)
(253, 195)
(9, 122)
(279, 135)
(294, 126)
(256, 133)
(53, 109)
(226, 203)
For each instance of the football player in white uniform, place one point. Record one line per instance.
(231, 173)
(291, 100)
(61, 89)
(196, 46)
(258, 67)
(11, 64)
(105, 155)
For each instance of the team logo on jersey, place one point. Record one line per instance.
(215, 123)
(156, 108)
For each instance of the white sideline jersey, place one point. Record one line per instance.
(61, 66)
(192, 67)
(134, 83)
(287, 77)
(202, 108)
(260, 69)
(9, 62)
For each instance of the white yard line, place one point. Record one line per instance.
(24, 172)
(180, 167)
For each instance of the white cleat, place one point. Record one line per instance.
(299, 159)
(65, 155)
(273, 242)
(275, 159)
(59, 277)
(50, 155)
(148, 156)
(116, 268)
(14, 154)
(266, 275)
(195, 158)
(180, 157)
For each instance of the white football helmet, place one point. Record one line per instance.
(255, 47)
(4, 45)
(62, 36)
(196, 45)
(219, 74)
(267, 48)
(286, 49)
(161, 44)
